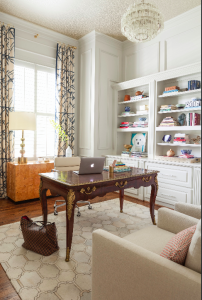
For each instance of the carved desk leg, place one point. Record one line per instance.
(121, 197)
(154, 190)
(43, 199)
(70, 205)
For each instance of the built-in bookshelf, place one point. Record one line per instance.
(173, 99)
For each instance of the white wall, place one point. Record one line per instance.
(100, 59)
(177, 45)
(40, 50)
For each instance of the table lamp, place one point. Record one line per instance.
(22, 121)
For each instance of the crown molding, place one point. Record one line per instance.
(31, 28)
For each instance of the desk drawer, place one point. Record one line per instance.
(173, 175)
(168, 196)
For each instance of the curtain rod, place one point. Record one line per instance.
(70, 46)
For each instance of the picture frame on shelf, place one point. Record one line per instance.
(138, 141)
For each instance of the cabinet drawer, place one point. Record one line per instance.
(173, 175)
(168, 195)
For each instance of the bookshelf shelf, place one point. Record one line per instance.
(132, 129)
(180, 110)
(174, 145)
(132, 101)
(179, 128)
(132, 115)
(180, 93)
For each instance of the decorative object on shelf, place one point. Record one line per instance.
(194, 102)
(142, 21)
(170, 153)
(170, 88)
(138, 93)
(180, 106)
(22, 121)
(168, 121)
(194, 84)
(196, 140)
(143, 119)
(138, 142)
(193, 119)
(127, 108)
(167, 138)
(181, 139)
(186, 151)
(128, 148)
(127, 98)
(182, 119)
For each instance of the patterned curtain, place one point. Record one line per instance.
(65, 96)
(7, 57)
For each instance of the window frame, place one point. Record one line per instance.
(36, 67)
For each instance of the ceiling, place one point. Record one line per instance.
(76, 18)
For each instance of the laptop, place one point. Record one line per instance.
(91, 165)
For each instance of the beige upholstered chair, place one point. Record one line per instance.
(67, 164)
(131, 268)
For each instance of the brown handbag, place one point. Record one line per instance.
(40, 238)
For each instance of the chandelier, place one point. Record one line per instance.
(141, 22)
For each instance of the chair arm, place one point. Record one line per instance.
(174, 221)
(123, 270)
(189, 209)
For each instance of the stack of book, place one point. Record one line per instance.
(139, 154)
(193, 119)
(138, 97)
(194, 85)
(124, 125)
(193, 103)
(142, 124)
(167, 107)
(186, 156)
(171, 89)
(168, 121)
(181, 139)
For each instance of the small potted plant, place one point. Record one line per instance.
(63, 136)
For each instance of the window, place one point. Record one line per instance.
(35, 92)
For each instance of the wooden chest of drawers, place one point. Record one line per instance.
(23, 179)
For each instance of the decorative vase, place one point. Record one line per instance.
(170, 153)
(127, 108)
(68, 152)
(138, 93)
(127, 98)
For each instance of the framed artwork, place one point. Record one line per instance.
(138, 141)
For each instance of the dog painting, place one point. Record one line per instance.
(138, 142)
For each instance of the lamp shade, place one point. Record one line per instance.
(22, 121)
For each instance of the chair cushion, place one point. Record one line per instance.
(151, 238)
(67, 161)
(176, 249)
(193, 259)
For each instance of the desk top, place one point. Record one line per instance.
(71, 179)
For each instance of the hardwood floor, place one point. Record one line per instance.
(11, 212)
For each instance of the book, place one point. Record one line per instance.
(171, 91)
(172, 88)
(193, 84)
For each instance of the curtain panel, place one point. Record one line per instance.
(65, 97)
(7, 57)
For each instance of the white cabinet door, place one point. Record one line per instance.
(197, 186)
(173, 175)
(168, 195)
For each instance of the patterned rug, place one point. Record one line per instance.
(51, 278)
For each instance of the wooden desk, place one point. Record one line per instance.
(23, 179)
(73, 187)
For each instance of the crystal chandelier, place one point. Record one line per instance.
(141, 22)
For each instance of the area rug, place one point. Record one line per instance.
(51, 278)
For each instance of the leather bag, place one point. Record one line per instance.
(39, 237)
